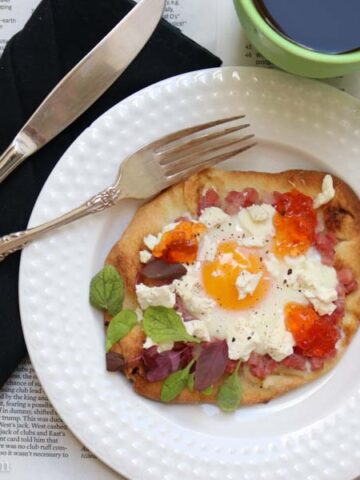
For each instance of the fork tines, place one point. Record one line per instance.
(202, 146)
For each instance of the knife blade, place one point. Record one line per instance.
(85, 83)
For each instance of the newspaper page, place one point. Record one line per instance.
(32, 436)
(34, 439)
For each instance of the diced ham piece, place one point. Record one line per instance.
(236, 200)
(261, 365)
(346, 278)
(316, 363)
(210, 198)
(339, 312)
(325, 244)
(351, 287)
(231, 365)
(295, 361)
(347, 284)
(269, 198)
(276, 197)
(345, 275)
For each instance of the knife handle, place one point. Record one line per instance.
(9, 160)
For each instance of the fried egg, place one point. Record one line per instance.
(237, 286)
(239, 292)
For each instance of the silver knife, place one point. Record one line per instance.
(85, 83)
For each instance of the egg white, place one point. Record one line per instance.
(260, 328)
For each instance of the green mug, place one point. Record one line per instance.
(288, 55)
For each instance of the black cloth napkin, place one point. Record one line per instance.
(58, 35)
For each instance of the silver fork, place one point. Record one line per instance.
(148, 171)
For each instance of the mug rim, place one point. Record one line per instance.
(291, 47)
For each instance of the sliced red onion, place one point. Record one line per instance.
(115, 362)
(160, 270)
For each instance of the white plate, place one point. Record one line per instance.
(311, 433)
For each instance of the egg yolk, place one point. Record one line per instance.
(314, 335)
(219, 276)
(181, 244)
(295, 223)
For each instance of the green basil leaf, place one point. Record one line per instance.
(190, 383)
(163, 324)
(119, 327)
(230, 393)
(208, 391)
(175, 384)
(107, 290)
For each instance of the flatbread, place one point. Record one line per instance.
(341, 216)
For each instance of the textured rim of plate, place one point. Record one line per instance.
(137, 446)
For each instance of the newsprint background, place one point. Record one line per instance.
(34, 442)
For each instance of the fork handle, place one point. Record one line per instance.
(16, 241)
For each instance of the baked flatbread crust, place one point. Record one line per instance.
(341, 216)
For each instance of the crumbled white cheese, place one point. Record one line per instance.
(149, 343)
(274, 339)
(273, 265)
(327, 193)
(150, 241)
(198, 329)
(247, 282)
(162, 347)
(256, 232)
(227, 259)
(213, 216)
(261, 334)
(192, 294)
(145, 256)
(240, 228)
(155, 296)
(258, 213)
(241, 339)
(317, 282)
(139, 314)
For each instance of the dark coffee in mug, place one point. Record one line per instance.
(327, 26)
